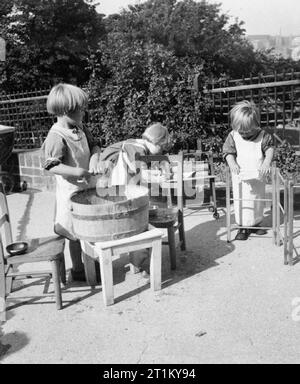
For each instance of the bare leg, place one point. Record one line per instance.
(75, 253)
(140, 260)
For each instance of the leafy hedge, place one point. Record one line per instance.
(134, 86)
(286, 160)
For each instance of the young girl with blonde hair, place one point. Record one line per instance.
(72, 155)
(248, 151)
(119, 167)
(118, 160)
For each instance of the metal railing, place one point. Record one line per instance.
(291, 254)
(277, 97)
(29, 117)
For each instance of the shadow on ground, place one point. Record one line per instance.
(11, 342)
(25, 219)
(204, 248)
(207, 248)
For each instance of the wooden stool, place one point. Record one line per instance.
(108, 251)
(168, 219)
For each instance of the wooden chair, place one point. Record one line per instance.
(108, 251)
(169, 217)
(39, 250)
(208, 159)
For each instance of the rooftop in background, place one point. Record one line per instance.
(268, 16)
(287, 46)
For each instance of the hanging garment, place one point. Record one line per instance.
(125, 168)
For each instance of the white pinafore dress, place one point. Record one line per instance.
(79, 156)
(248, 185)
(119, 175)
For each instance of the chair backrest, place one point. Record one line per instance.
(199, 165)
(5, 227)
(163, 162)
(180, 182)
(202, 156)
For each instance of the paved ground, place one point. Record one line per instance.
(226, 303)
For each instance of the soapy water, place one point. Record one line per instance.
(91, 197)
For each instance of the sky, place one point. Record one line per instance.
(270, 17)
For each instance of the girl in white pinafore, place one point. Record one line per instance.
(73, 156)
(248, 185)
(249, 152)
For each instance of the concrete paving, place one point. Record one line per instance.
(226, 303)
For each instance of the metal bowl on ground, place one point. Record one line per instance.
(18, 248)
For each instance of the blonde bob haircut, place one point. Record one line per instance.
(66, 98)
(157, 134)
(244, 117)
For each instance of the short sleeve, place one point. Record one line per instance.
(229, 147)
(267, 142)
(55, 149)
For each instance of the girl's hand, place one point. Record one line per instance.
(233, 165)
(83, 173)
(235, 169)
(265, 168)
(84, 176)
(95, 165)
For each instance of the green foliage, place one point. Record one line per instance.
(269, 62)
(49, 41)
(138, 65)
(144, 70)
(196, 30)
(286, 159)
(53, 40)
(212, 141)
(135, 85)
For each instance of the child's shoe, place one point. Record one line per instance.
(78, 275)
(260, 231)
(146, 275)
(242, 234)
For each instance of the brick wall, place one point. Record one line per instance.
(27, 166)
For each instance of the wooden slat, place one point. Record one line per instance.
(253, 79)
(24, 100)
(27, 274)
(253, 86)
